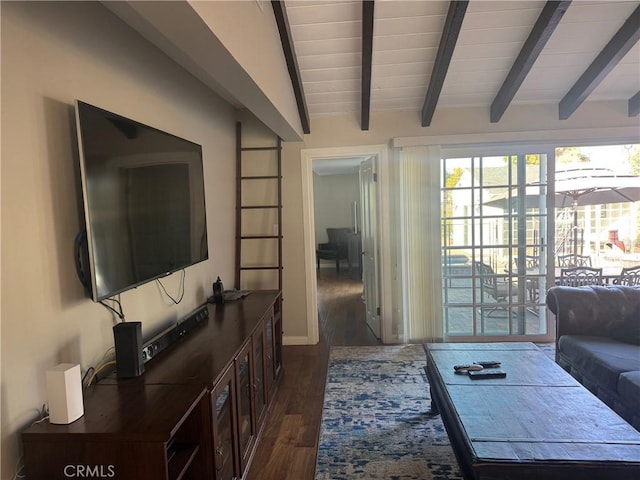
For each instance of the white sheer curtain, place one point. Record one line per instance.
(419, 178)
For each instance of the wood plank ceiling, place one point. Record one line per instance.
(424, 55)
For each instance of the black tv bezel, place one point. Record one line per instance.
(90, 285)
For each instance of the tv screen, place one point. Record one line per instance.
(143, 195)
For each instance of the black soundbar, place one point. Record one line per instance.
(174, 333)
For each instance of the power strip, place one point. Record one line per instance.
(174, 333)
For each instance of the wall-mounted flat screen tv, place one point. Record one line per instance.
(143, 195)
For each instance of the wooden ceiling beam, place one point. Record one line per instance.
(450, 32)
(546, 24)
(280, 12)
(624, 39)
(367, 57)
(634, 105)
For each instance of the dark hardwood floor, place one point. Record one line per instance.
(288, 445)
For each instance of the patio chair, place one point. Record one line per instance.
(336, 248)
(573, 260)
(531, 264)
(496, 286)
(629, 276)
(578, 276)
(532, 261)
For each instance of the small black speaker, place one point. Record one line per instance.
(128, 342)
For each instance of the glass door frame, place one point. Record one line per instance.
(545, 278)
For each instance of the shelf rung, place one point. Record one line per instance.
(259, 206)
(250, 149)
(269, 267)
(255, 237)
(261, 177)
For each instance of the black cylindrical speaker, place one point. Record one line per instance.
(128, 343)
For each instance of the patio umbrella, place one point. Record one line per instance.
(576, 187)
(593, 186)
(506, 201)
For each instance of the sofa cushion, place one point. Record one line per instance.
(628, 330)
(629, 388)
(601, 358)
(591, 310)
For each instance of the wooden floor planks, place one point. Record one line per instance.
(289, 442)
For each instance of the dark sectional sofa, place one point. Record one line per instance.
(598, 342)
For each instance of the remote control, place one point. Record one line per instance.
(489, 364)
(487, 374)
(463, 369)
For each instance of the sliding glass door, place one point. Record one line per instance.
(494, 250)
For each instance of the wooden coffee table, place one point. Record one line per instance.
(537, 423)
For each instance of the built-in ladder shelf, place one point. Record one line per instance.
(257, 242)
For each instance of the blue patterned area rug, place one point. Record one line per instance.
(376, 422)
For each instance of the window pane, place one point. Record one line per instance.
(490, 235)
(458, 321)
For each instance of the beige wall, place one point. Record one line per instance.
(53, 53)
(333, 197)
(258, 49)
(232, 46)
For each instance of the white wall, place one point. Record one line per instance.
(333, 197)
(53, 53)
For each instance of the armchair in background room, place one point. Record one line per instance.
(336, 248)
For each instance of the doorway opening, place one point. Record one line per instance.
(348, 173)
(345, 224)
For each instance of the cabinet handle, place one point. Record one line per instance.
(220, 452)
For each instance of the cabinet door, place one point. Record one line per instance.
(223, 408)
(269, 355)
(259, 384)
(246, 415)
(277, 337)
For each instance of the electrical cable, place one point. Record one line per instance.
(98, 369)
(119, 313)
(41, 420)
(106, 352)
(91, 370)
(18, 472)
(180, 288)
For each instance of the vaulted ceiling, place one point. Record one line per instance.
(364, 56)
